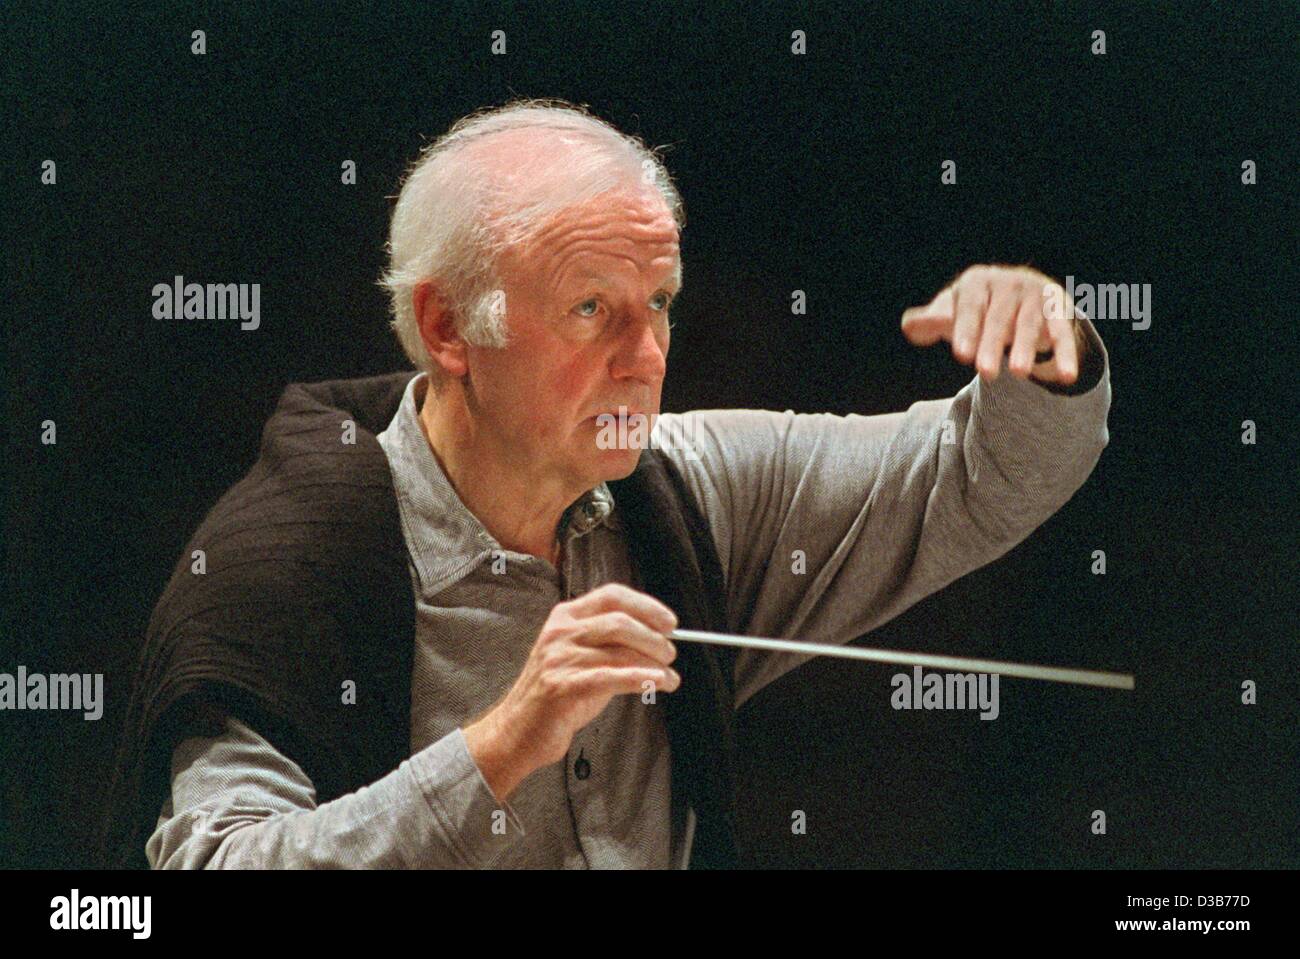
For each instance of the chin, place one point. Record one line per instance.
(616, 464)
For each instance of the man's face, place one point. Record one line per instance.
(587, 309)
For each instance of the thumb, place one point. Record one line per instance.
(939, 307)
(924, 325)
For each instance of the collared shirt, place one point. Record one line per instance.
(826, 526)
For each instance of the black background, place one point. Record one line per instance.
(817, 172)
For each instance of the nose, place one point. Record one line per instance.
(643, 354)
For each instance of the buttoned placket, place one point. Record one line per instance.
(580, 770)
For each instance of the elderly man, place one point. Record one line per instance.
(430, 627)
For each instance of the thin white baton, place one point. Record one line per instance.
(959, 664)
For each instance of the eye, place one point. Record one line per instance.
(667, 298)
(593, 303)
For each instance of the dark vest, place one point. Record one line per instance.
(306, 586)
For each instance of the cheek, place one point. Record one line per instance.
(572, 385)
(541, 406)
(568, 388)
(544, 387)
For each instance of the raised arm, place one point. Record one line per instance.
(828, 526)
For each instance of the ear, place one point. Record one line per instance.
(438, 329)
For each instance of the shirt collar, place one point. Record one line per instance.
(444, 538)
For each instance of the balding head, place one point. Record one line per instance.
(493, 182)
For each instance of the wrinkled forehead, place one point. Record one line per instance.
(627, 215)
(630, 224)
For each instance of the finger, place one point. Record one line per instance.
(617, 596)
(629, 679)
(1029, 323)
(1061, 329)
(923, 330)
(924, 325)
(612, 657)
(1056, 301)
(939, 308)
(1003, 306)
(617, 628)
(970, 298)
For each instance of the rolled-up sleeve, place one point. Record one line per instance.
(237, 803)
(828, 526)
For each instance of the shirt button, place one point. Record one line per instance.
(581, 768)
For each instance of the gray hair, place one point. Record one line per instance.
(454, 217)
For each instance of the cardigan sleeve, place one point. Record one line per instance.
(238, 803)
